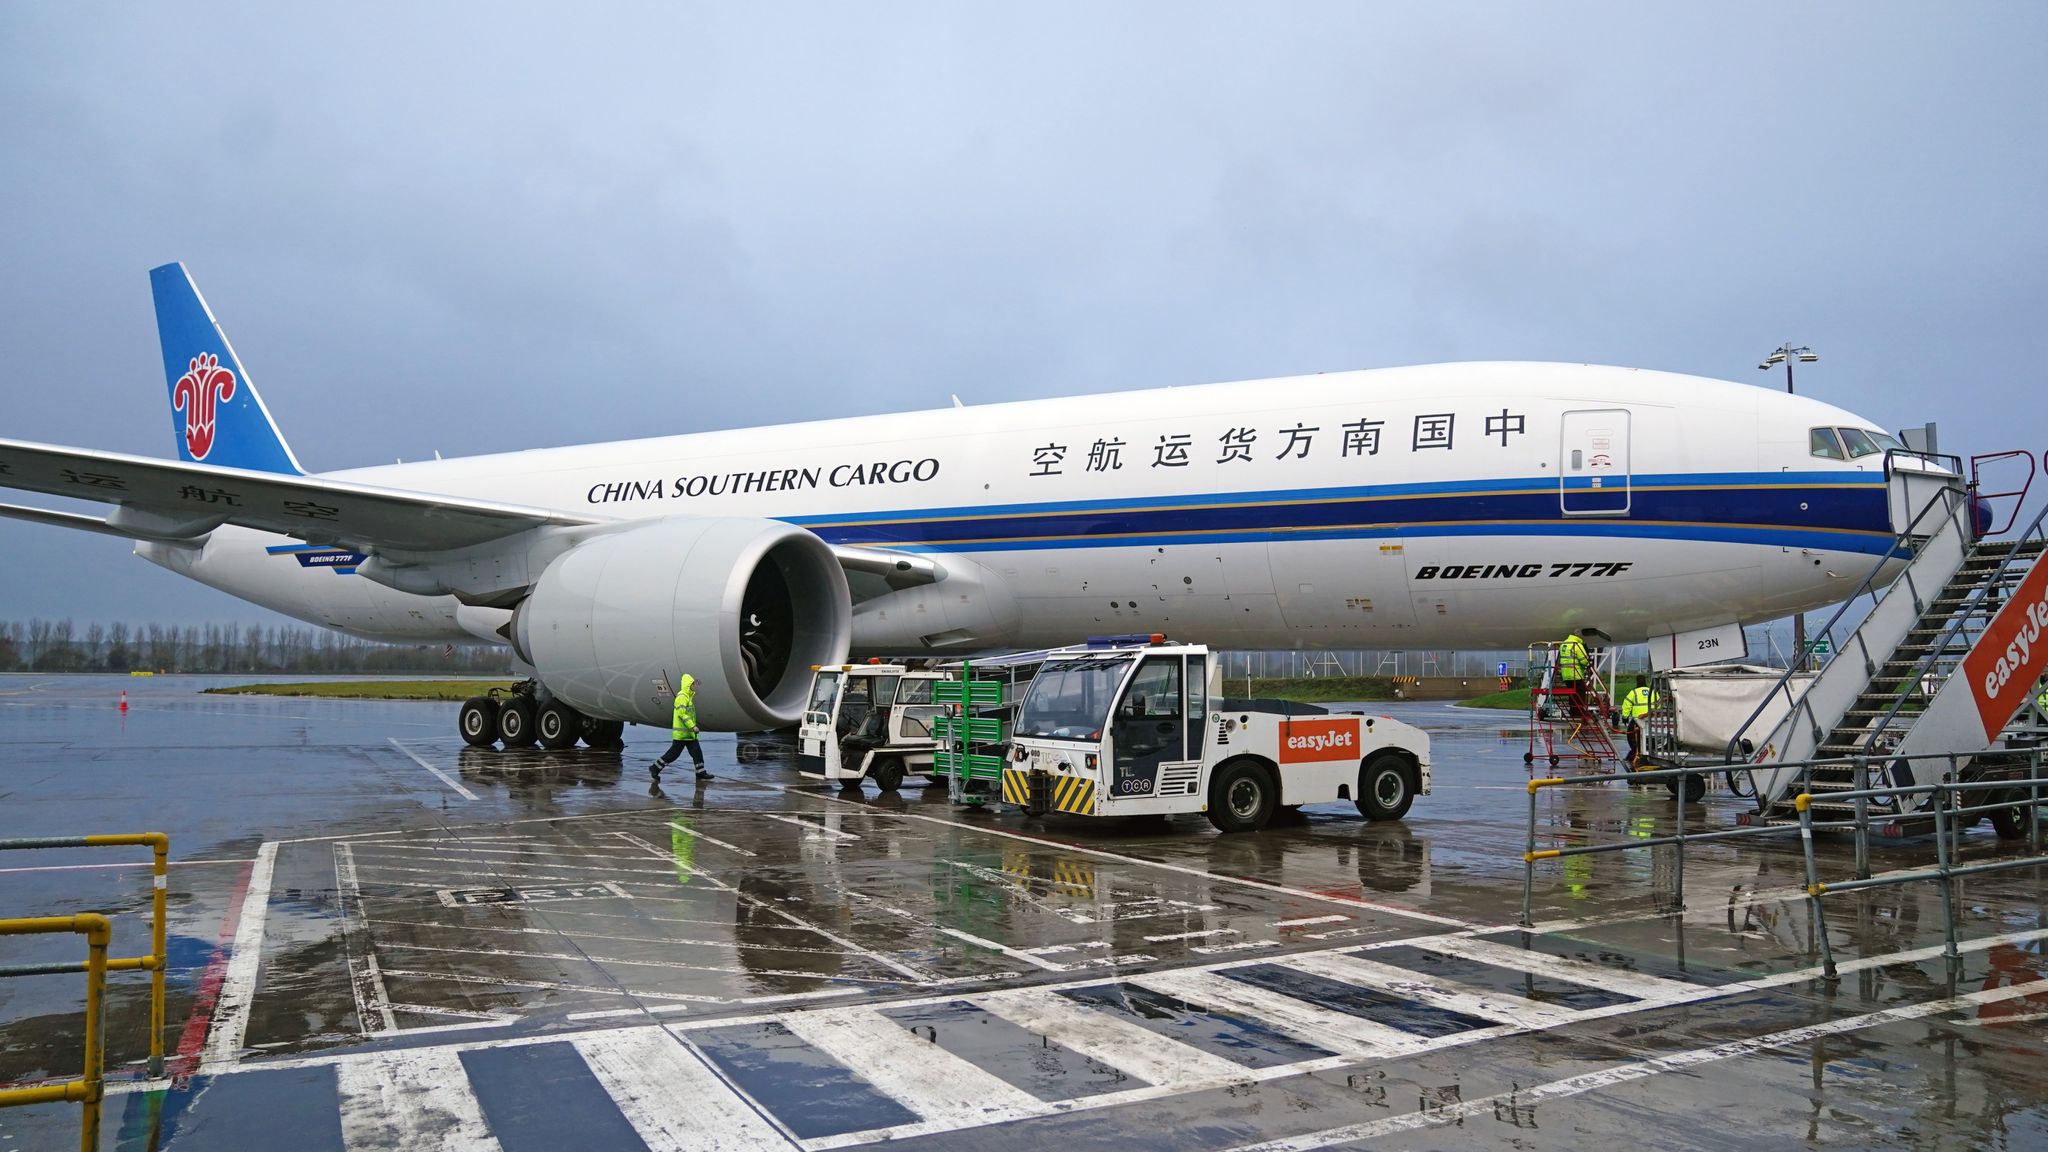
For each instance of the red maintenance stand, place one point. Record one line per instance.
(1567, 720)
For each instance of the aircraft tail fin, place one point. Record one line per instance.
(215, 411)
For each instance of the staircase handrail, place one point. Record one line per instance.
(1951, 499)
(1955, 627)
(1977, 491)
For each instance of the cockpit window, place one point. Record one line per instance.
(1889, 443)
(1826, 445)
(1859, 442)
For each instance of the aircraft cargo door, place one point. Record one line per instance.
(1593, 463)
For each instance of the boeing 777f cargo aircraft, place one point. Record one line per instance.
(1454, 505)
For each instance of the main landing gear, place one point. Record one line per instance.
(517, 718)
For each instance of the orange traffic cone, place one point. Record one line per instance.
(124, 702)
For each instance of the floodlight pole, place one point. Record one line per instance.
(1788, 353)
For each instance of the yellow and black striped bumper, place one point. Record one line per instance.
(1072, 794)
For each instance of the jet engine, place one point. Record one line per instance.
(745, 606)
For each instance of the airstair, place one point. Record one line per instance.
(1892, 690)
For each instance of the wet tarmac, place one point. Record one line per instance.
(381, 939)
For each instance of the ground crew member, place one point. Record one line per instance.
(683, 731)
(1572, 663)
(1635, 713)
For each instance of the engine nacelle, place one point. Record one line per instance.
(745, 606)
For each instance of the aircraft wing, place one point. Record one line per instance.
(173, 500)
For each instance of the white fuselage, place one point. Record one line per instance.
(1463, 505)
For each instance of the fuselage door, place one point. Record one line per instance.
(1593, 463)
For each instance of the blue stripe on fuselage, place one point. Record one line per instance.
(1829, 510)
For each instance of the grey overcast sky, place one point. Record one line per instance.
(472, 227)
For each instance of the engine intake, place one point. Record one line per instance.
(746, 606)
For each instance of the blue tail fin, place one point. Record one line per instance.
(215, 411)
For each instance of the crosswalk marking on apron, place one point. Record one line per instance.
(417, 1099)
(920, 1075)
(1635, 984)
(1342, 1034)
(671, 1098)
(1117, 1043)
(1496, 1006)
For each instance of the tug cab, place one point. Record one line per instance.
(1126, 726)
(868, 722)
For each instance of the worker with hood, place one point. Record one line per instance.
(683, 731)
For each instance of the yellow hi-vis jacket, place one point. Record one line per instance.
(1572, 659)
(683, 725)
(2041, 701)
(1637, 704)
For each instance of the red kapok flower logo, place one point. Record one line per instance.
(198, 393)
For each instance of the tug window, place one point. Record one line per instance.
(1825, 445)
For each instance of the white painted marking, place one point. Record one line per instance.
(885, 961)
(921, 1076)
(1302, 921)
(807, 826)
(601, 961)
(692, 832)
(556, 986)
(1202, 935)
(1114, 1041)
(418, 1098)
(230, 1023)
(1626, 1073)
(122, 864)
(1234, 946)
(365, 981)
(450, 781)
(671, 1098)
(1005, 949)
(1486, 1005)
(1342, 1034)
(444, 1010)
(664, 1009)
(1057, 949)
(1564, 968)
(1216, 877)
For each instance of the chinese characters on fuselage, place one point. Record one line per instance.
(1241, 444)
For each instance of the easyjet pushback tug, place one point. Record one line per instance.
(1133, 725)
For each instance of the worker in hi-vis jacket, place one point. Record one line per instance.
(683, 731)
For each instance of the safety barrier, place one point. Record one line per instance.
(88, 1088)
(1868, 802)
(1943, 795)
(1679, 780)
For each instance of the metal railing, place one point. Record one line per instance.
(2020, 493)
(88, 1089)
(160, 851)
(1952, 502)
(1868, 801)
(1945, 871)
(1943, 647)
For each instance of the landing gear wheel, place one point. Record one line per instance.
(887, 774)
(1386, 788)
(1695, 787)
(1242, 797)
(515, 722)
(608, 735)
(557, 725)
(2010, 822)
(478, 721)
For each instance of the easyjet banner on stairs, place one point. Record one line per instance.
(2009, 658)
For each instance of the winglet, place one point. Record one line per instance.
(215, 411)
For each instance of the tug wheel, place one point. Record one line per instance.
(1242, 796)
